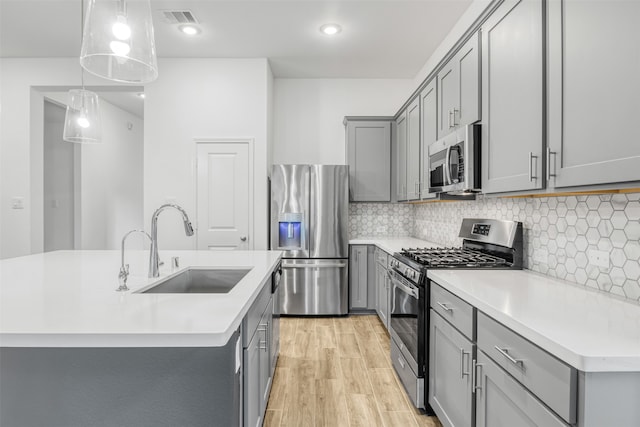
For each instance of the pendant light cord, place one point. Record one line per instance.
(81, 40)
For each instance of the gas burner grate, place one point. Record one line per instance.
(452, 257)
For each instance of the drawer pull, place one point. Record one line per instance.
(505, 352)
(445, 307)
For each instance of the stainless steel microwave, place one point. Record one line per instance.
(454, 162)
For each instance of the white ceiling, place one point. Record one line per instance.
(380, 38)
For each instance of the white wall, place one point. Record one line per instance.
(111, 181)
(308, 114)
(192, 98)
(200, 99)
(58, 182)
(21, 136)
(466, 20)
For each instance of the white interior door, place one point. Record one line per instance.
(224, 196)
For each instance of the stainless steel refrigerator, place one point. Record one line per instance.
(309, 222)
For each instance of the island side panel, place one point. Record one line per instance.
(71, 387)
(608, 399)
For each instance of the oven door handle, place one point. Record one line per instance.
(406, 289)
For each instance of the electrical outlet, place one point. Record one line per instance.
(17, 203)
(598, 258)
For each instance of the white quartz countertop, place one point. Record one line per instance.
(69, 299)
(587, 329)
(393, 244)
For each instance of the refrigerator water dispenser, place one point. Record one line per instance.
(291, 231)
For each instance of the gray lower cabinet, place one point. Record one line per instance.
(251, 362)
(362, 282)
(512, 97)
(501, 400)
(258, 373)
(383, 290)
(450, 378)
(590, 141)
(368, 157)
(502, 380)
(401, 157)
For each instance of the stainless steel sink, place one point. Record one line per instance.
(199, 281)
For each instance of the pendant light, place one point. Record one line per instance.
(118, 41)
(82, 119)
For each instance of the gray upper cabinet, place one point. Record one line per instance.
(413, 150)
(589, 138)
(512, 97)
(401, 156)
(429, 134)
(368, 157)
(459, 88)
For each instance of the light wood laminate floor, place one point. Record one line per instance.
(337, 372)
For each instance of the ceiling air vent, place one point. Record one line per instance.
(178, 17)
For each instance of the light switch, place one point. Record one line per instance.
(17, 203)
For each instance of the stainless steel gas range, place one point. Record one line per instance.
(487, 243)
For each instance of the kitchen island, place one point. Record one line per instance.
(73, 351)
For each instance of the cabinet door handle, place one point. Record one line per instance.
(445, 307)
(531, 157)
(455, 110)
(505, 352)
(477, 372)
(462, 372)
(549, 153)
(450, 125)
(264, 345)
(401, 362)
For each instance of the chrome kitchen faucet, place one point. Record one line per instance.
(154, 260)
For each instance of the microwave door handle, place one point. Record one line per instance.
(456, 149)
(447, 170)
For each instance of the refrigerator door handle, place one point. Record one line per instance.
(311, 210)
(332, 265)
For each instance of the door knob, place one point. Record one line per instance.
(243, 238)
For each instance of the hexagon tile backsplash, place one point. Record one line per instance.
(380, 219)
(559, 233)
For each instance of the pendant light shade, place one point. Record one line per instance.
(118, 42)
(82, 120)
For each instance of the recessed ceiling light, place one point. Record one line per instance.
(190, 30)
(141, 95)
(330, 29)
